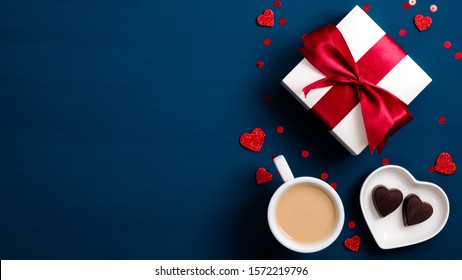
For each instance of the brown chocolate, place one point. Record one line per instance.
(385, 200)
(415, 211)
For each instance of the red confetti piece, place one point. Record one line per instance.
(333, 185)
(367, 8)
(458, 56)
(447, 45)
(385, 161)
(433, 8)
(352, 243)
(277, 4)
(324, 175)
(262, 176)
(254, 140)
(444, 164)
(305, 153)
(267, 42)
(266, 19)
(406, 6)
(431, 169)
(260, 64)
(402, 32)
(422, 22)
(280, 129)
(441, 120)
(412, 2)
(268, 100)
(351, 224)
(282, 21)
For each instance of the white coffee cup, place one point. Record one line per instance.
(289, 182)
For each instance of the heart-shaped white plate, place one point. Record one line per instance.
(390, 232)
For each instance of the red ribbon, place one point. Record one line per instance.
(353, 82)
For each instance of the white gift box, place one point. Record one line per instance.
(406, 80)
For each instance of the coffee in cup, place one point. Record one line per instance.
(305, 214)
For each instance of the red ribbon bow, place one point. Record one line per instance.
(353, 82)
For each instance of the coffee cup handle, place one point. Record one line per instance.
(283, 168)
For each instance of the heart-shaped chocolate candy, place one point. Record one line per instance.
(385, 200)
(415, 211)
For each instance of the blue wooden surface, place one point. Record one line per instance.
(120, 120)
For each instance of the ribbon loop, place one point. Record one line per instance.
(355, 82)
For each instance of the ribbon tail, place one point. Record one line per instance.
(397, 126)
(326, 82)
(383, 114)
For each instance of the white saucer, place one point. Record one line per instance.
(390, 232)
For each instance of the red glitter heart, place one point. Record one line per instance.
(253, 140)
(266, 19)
(444, 164)
(422, 22)
(263, 176)
(352, 243)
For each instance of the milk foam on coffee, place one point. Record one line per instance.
(305, 214)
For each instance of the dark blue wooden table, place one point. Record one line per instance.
(120, 120)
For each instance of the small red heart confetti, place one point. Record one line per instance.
(367, 8)
(447, 44)
(305, 153)
(266, 19)
(280, 129)
(352, 243)
(260, 64)
(385, 161)
(402, 32)
(254, 140)
(431, 169)
(422, 22)
(406, 6)
(351, 224)
(324, 175)
(282, 21)
(267, 42)
(263, 176)
(442, 120)
(277, 4)
(444, 164)
(333, 185)
(458, 56)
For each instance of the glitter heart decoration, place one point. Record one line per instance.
(444, 164)
(254, 140)
(262, 176)
(422, 22)
(352, 243)
(266, 19)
